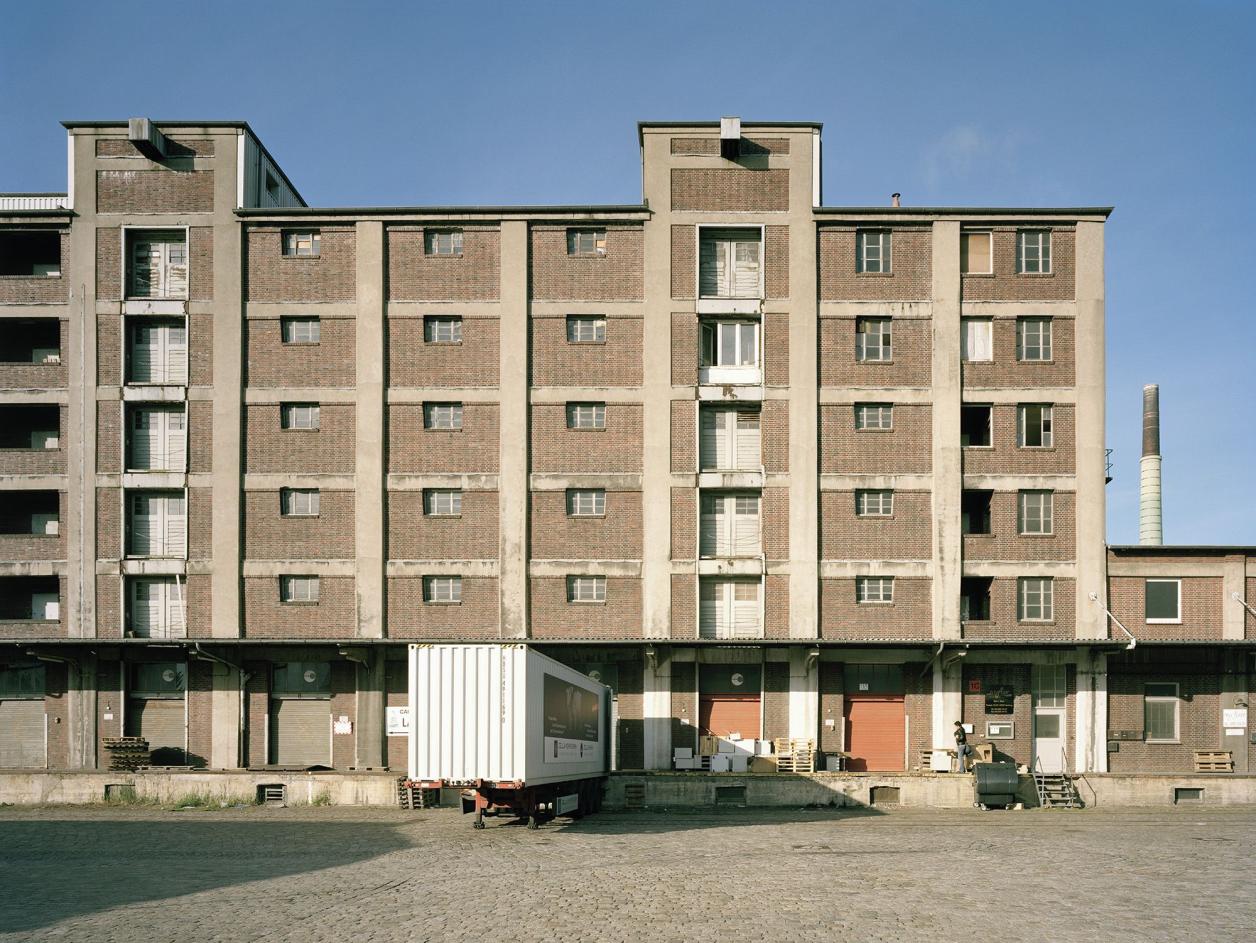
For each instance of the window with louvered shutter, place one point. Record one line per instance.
(729, 609)
(730, 263)
(158, 353)
(158, 263)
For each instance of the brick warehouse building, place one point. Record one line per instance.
(763, 464)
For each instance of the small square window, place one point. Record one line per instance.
(1035, 599)
(975, 253)
(1000, 730)
(977, 340)
(586, 589)
(298, 415)
(442, 415)
(974, 426)
(442, 329)
(874, 416)
(442, 589)
(874, 589)
(873, 254)
(1033, 252)
(298, 588)
(873, 341)
(586, 329)
(300, 330)
(1034, 512)
(1033, 426)
(442, 242)
(586, 415)
(1033, 339)
(586, 502)
(1162, 601)
(299, 502)
(442, 502)
(302, 243)
(874, 503)
(586, 242)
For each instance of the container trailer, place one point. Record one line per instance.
(524, 735)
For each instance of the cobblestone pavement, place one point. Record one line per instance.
(337, 874)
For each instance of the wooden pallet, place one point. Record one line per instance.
(412, 796)
(795, 755)
(1214, 761)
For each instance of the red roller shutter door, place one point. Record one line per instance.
(876, 734)
(722, 714)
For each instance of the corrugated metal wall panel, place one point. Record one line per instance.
(722, 714)
(160, 721)
(23, 744)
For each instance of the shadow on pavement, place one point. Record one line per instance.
(658, 821)
(52, 869)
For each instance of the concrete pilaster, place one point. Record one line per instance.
(804, 405)
(228, 393)
(804, 694)
(947, 700)
(225, 707)
(369, 520)
(1234, 695)
(1091, 713)
(657, 711)
(513, 491)
(1234, 583)
(948, 468)
(1091, 505)
(369, 741)
(81, 713)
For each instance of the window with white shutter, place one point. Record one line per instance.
(730, 609)
(729, 440)
(977, 339)
(157, 263)
(156, 440)
(730, 263)
(157, 608)
(158, 524)
(730, 525)
(158, 352)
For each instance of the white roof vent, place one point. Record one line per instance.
(730, 138)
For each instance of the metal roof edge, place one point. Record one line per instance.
(57, 211)
(1183, 548)
(706, 123)
(1104, 211)
(170, 122)
(521, 210)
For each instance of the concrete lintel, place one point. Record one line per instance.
(1018, 309)
(1059, 396)
(558, 568)
(255, 568)
(1010, 569)
(558, 481)
(34, 568)
(848, 569)
(443, 567)
(256, 396)
(1019, 482)
(484, 482)
(897, 310)
(273, 482)
(834, 482)
(833, 395)
(577, 394)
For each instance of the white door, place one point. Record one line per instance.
(1050, 696)
(157, 609)
(729, 440)
(159, 353)
(158, 440)
(730, 525)
(729, 609)
(159, 266)
(158, 525)
(729, 264)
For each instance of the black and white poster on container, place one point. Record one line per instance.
(572, 721)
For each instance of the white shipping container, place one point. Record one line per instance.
(504, 713)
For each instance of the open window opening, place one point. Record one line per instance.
(30, 599)
(975, 426)
(30, 513)
(975, 512)
(30, 341)
(30, 253)
(32, 428)
(974, 599)
(730, 352)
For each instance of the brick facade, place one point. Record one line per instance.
(413, 362)
(619, 275)
(715, 190)
(909, 616)
(912, 353)
(475, 275)
(269, 362)
(333, 616)
(904, 449)
(1005, 457)
(269, 535)
(329, 276)
(552, 616)
(1003, 622)
(1005, 543)
(154, 191)
(617, 448)
(907, 534)
(329, 449)
(556, 535)
(1201, 606)
(476, 617)
(412, 449)
(1005, 285)
(909, 278)
(557, 362)
(413, 535)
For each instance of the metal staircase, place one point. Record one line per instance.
(1056, 790)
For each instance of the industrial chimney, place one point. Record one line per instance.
(1150, 522)
(896, 199)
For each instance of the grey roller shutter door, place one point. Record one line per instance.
(22, 741)
(300, 732)
(160, 721)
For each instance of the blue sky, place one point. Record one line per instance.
(1146, 105)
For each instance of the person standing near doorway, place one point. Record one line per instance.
(962, 749)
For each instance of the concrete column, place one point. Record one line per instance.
(804, 694)
(228, 392)
(947, 701)
(225, 707)
(1234, 695)
(1234, 582)
(369, 523)
(1090, 723)
(948, 460)
(79, 613)
(369, 741)
(804, 406)
(513, 491)
(656, 711)
(656, 394)
(81, 697)
(1091, 507)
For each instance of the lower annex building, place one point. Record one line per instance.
(762, 464)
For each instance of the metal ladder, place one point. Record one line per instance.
(1056, 790)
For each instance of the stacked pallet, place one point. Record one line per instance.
(412, 795)
(1214, 761)
(127, 753)
(795, 755)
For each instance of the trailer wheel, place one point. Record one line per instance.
(534, 821)
(477, 824)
